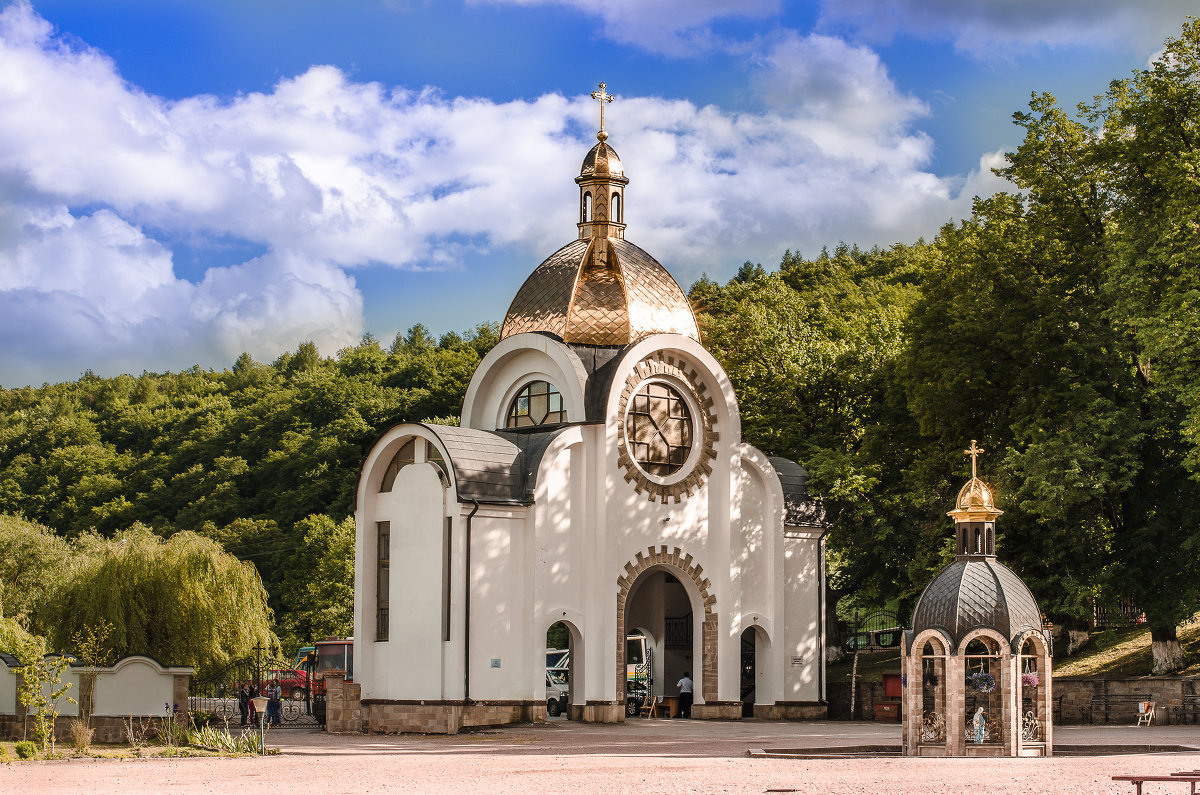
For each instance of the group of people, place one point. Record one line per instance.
(246, 694)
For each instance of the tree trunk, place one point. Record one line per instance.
(1077, 635)
(1165, 648)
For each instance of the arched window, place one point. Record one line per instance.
(407, 454)
(586, 210)
(538, 403)
(616, 208)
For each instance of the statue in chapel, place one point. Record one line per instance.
(979, 726)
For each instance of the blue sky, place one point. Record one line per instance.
(183, 181)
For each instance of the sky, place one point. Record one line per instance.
(184, 181)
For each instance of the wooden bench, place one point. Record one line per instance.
(1137, 781)
(1189, 710)
(1104, 705)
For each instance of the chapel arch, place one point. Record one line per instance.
(702, 662)
(755, 685)
(568, 670)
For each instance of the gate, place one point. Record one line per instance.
(214, 697)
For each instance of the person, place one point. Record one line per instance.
(244, 703)
(685, 695)
(251, 694)
(275, 694)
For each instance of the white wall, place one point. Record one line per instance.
(410, 661)
(803, 620)
(8, 689)
(134, 686)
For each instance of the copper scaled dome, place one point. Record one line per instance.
(601, 289)
(600, 292)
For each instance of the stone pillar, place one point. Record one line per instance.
(1010, 699)
(956, 705)
(1046, 707)
(179, 692)
(910, 732)
(343, 705)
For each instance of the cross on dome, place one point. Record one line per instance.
(602, 96)
(974, 452)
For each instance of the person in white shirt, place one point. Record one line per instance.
(685, 695)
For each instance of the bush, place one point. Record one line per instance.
(81, 735)
(26, 749)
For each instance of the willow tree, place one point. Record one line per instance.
(182, 600)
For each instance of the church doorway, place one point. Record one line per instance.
(748, 677)
(564, 666)
(661, 614)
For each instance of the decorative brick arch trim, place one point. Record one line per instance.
(684, 568)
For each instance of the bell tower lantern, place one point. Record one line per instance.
(602, 184)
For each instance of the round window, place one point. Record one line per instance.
(658, 429)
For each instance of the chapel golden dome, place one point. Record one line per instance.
(602, 160)
(601, 289)
(975, 500)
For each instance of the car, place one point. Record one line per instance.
(558, 693)
(292, 681)
(635, 696)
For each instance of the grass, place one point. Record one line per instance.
(1113, 654)
(63, 750)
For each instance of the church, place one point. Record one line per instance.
(598, 478)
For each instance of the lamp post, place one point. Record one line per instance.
(260, 706)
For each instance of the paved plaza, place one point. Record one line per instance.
(642, 756)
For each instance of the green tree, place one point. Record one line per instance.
(318, 592)
(182, 600)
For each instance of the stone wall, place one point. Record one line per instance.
(343, 706)
(107, 729)
(446, 717)
(792, 710)
(135, 690)
(1165, 691)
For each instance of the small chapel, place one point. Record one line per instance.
(597, 479)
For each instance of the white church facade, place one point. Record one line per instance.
(598, 478)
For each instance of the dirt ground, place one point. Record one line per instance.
(643, 756)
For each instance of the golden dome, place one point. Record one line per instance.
(602, 161)
(975, 502)
(600, 291)
(975, 496)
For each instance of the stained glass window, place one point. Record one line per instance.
(658, 429)
(538, 403)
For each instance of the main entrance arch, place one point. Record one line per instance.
(689, 574)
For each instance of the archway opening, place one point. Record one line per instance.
(982, 674)
(562, 670)
(749, 672)
(933, 692)
(659, 616)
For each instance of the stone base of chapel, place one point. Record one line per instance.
(792, 710)
(446, 717)
(597, 712)
(717, 710)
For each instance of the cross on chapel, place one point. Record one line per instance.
(974, 452)
(602, 97)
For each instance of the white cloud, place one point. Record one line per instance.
(987, 27)
(671, 27)
(824, 77)
(324, 175)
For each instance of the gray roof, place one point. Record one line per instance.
(973, 593)
(799, 509)
(494, 466)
